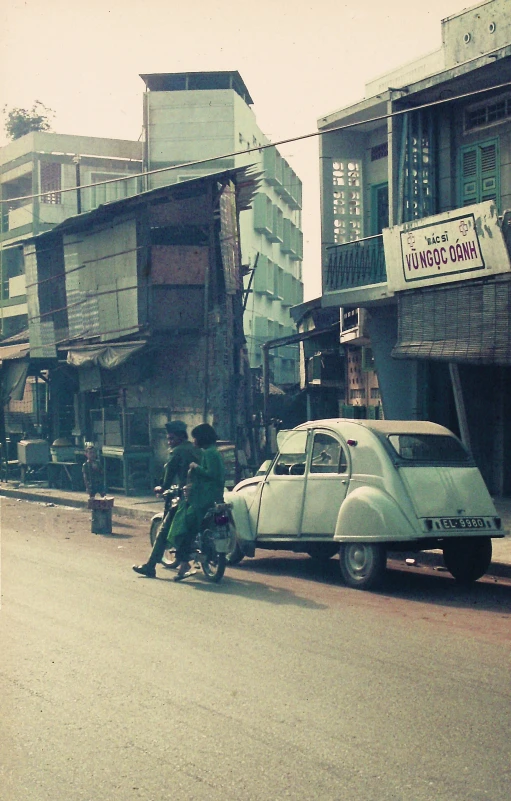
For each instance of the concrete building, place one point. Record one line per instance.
(203, 115)
(416, 235)
(53, 164)
(135, 318)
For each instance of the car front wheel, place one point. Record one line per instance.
(467, 559)
(235, 556)
(362, 564)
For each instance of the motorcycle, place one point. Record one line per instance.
(214, 541)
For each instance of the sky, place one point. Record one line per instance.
(299, 60)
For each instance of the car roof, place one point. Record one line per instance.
(380, 426)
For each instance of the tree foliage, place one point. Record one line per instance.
(21, 121)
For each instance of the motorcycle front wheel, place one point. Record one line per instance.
(213, 563)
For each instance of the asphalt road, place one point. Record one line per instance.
(279, 683)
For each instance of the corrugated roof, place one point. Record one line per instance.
(18, 351)
(246, 179)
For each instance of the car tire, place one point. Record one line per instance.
(362, 564)
(467, 558)
(235, 556)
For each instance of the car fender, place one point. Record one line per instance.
(371, 514)
(239, 511)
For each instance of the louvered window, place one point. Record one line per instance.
(480, 173)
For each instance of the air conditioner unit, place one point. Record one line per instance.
(354, 328)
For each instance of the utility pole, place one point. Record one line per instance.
(76, 161)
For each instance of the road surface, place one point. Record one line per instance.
(279, 683)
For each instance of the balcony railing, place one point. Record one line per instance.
(356, 264)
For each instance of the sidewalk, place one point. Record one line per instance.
(144, 507)
(141, 507)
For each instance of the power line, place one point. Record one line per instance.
(259, 148)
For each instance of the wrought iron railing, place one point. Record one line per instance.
(356, 264)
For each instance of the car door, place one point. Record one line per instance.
(326, 484)
(281, 504)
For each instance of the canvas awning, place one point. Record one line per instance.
(107, 356)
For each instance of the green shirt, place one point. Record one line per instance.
(208, 480)
(207, 488)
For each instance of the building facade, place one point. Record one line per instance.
(135, 318)
(39, 174)
(416, 233)
(204, 115)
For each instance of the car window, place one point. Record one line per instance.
(429, 448)
(291, 459)
(328, 455)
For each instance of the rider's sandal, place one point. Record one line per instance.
(181, 576)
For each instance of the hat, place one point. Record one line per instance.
(176, 427)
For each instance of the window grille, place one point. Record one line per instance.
(51, 183)
(347, 200)
(417, 180)
(380, 151)
(492, 112)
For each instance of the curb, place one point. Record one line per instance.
(41, 497)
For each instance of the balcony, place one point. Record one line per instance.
(356, 264)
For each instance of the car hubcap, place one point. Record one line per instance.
(358, 561)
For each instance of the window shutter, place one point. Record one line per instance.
(488, 155)
(469, 176)
(479, 174)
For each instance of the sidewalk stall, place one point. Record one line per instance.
(33, 457)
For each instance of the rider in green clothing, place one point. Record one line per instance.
(182, 454)
(207, 488)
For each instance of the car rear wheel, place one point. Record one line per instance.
(362, 564)
(467, 558)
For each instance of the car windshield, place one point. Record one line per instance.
(429, 448)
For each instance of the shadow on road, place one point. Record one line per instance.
(421, 584)
(488, 594)
(255, 590)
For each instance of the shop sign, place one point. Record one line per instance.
(449, 247)
(465, 243)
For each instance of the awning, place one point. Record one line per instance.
(457, 323)
(17, 351)
(107, 356)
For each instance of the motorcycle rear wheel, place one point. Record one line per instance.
(213, 563)
(169, 557)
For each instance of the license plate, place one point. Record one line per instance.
(463, 522)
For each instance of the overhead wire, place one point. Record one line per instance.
(259, 148)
